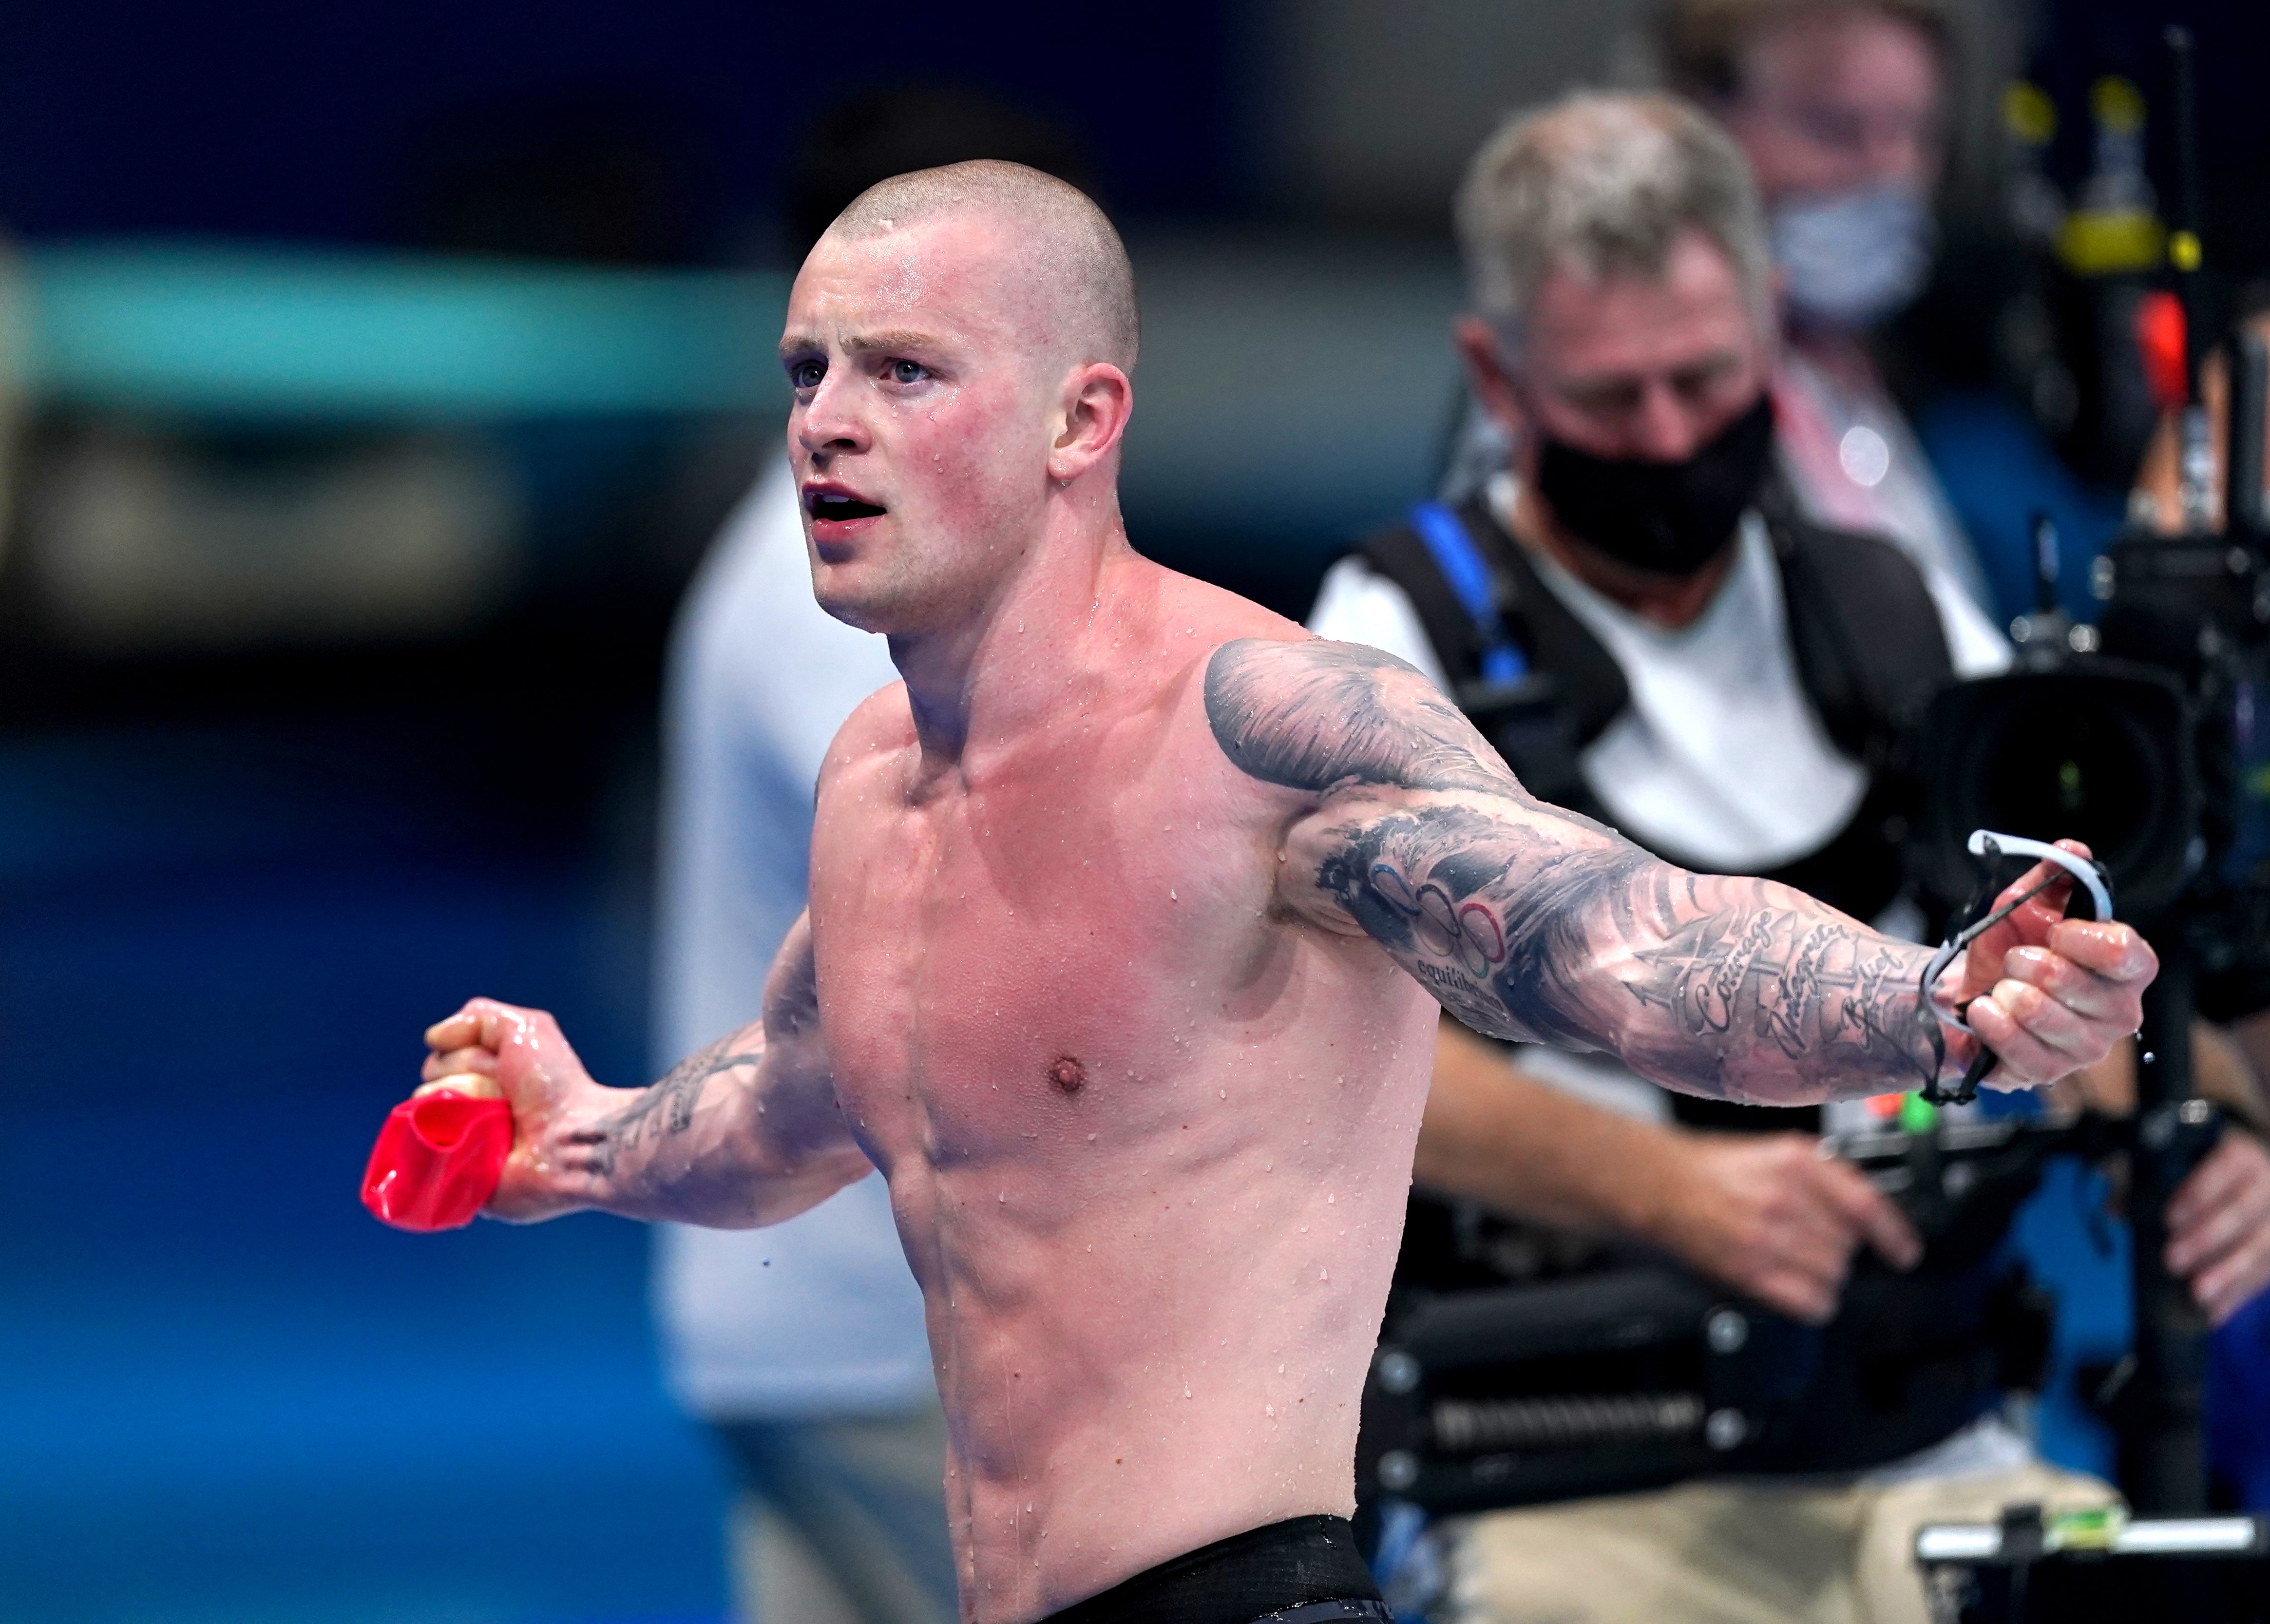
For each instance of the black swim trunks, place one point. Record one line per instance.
(1301, 1571)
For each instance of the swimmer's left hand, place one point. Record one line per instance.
(2048, 994)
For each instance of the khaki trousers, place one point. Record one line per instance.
(1753, 1550)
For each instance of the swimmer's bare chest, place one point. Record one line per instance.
(1041, 950)
(1148, 1131)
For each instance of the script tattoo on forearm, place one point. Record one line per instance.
(664, 1111)
(1533, 924)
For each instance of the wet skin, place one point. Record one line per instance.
(1130, 909)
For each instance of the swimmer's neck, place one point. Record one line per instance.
(1029, 643)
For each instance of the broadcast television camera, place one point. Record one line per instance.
(2143, 737)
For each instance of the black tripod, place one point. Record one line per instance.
(2158, 1413)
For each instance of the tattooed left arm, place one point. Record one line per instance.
(1532, 923)
(1534, 929)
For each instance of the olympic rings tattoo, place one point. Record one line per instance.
(1468, 931)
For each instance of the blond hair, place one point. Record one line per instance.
(1068, 243)
(1603, 185)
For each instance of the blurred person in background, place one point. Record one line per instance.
(1841, 108)
(1736, 679)
(802, 1344)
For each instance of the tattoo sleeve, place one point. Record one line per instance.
(745, 1132)
(1533, 923)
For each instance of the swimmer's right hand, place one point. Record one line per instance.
(472, 1085)
(520, 1055)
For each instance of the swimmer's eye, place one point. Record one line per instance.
(908, 372)
(806, 375)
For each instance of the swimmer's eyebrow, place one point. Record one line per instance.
(866, 344)
(869, 343)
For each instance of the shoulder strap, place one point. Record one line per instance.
(1592, 683)
(1404, 557)
(1869, 645)
(1399, 555)
(1467, 574)
(1536, 626)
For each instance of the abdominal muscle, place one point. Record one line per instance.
(1157, 1338)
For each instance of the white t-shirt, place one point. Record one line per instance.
(1719, 756)
(820, 1314)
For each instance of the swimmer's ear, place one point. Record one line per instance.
(1094, 407)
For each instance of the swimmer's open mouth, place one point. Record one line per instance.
(836, 506)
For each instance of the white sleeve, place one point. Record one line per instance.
(817, 1316)
(1357, 604)
(1973, 644)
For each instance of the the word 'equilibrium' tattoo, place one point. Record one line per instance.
(1534, 923)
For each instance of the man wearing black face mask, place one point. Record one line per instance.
(1733, 684)
(1735, 675)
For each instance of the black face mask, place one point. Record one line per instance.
(1666, 518)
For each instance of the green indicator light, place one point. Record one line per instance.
(1918, 1114)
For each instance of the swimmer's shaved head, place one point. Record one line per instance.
(1067, 244)
(958, 346)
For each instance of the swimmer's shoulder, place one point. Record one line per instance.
(1198, 618)
(878, 731)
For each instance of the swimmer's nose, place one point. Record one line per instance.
(826, 423)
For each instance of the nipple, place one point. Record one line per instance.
(1068, 1074)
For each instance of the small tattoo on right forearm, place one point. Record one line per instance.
(664, 1111)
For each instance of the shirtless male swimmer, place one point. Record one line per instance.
(1131, 908)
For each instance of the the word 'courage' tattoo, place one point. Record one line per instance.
(1832, 997)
